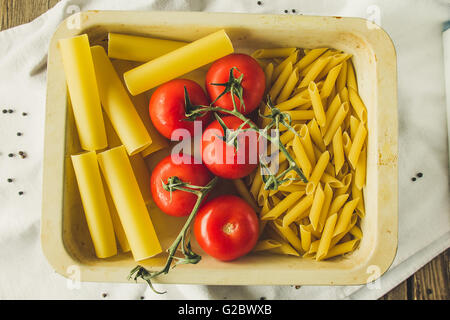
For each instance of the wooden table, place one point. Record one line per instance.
(430, 282)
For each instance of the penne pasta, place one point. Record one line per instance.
(305, 237)
(299, 210)
(266, 244)
(330, 81)
(316, 207)
(325, 240)
(280, 81)
(316, 102)
(328, 192)
(341, 80)
(357, 145)
(273, 53)
(338, 151)
(242, 190)
(309, 58)
(305, 139)
(351, 77)
(360, 170)
(288, 234)
(316, 135)
(268, 72)
(320, 168)
(291, 59)
(342, 248)
(288, 87)
(335, 123)
(284, 205)
(312, 74)
(347, 181)
(301, 114)
(345, 216)
(358, 105)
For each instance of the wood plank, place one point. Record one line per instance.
(432, 281)
(398, 293)
(15, 12)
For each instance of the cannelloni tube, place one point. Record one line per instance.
(83, 91)
(130, 205)
(178, 62)
(141, 49)
(118, 106)
(141, 103)
(94, 203)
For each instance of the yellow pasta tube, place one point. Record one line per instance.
(360, 170)
(292, 58)
(332, 110)
(272, 53)
(292, 188)
(338, 150)
(122, 184)
(328, 192)
(288, 87)
(316, 135)
(316, 102)
(312, 249)
(309, 58)
(285, 248)
(351, 77)
(118, 106)
(263, 194)
(327, 235)
(345, 216)
(320, 167)
(268, 72)
(284, 205)
(266, 244)
(335, 123)
(356, 232)
(330, 81)
(256, 184)
(337, 203)
(344, 95)
(357, 193)
(178, 62)
(341, 80)
(334, 61)
(140, 168)
(280, 82)
(342, 248)
(294, 102)
(288, 234)
(300, 114)
(316, 207)
(357, 145)
(299, 210)
(358, 105)
(94, 203)
(347, 181)
(141, 49)
(305, 238)
(305, 139)
(83, 91)
(301, 157)
(141, 104)
(245, 194)
(332, 181)
(346, 143)
(312, 74)
(118, 228)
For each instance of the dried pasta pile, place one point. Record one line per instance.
(321, 218)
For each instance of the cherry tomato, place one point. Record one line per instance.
(182, 202)
(224, 159)
(167, 106)
(226, 228)
(253, 82)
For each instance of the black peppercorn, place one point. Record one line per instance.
(10, 180)
(20, 193)
(259, 3)
(11, 155)
(420, 175)
(10, 111)
(413, 179)
(19, 134)
(286, 11)
(4, 111)
(293, 10)
(24, 114)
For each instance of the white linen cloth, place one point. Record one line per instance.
(424, 220)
